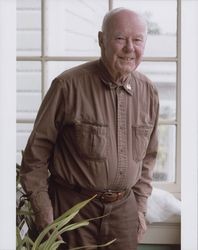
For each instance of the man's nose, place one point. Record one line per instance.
(129, 46)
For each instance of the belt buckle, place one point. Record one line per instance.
(109, 192)
(109, 196)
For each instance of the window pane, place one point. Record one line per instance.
(28, 27)
(28, 89)
(23, 133)
(72, 27)
(165, 165)
(163, 75)
(53, 69)
(161, 17)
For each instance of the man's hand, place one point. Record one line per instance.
(142, 227)
(43, 219)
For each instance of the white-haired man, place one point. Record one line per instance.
(96, 133)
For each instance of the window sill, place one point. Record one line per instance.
(163, 233)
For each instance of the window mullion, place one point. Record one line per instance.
(43, 72)
(110, 4)
(178, 97)
(88, 58)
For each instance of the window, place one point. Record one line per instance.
(55, 35)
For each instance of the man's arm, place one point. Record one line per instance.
(143, 187)
(34, 168)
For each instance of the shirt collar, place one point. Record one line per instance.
(106, 78)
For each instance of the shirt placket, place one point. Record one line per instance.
(120, 180)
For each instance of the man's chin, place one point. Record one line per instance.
(127, 70)
(127, 67)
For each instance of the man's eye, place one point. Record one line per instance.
(138, 40)
(120, 38)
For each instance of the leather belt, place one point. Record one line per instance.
(106, 197)
(111, 196)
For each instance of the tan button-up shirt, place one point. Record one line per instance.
(93, 133)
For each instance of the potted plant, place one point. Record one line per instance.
(27, 236)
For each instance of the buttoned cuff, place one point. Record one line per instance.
(141, 204)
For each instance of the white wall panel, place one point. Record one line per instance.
(7, 124)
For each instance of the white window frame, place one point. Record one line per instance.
(7, 124)
(171, 187)
(189, 125)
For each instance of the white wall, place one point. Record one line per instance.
(189, 126)
(7, 123)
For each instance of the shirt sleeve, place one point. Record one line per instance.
(143, 188)
(34, 167)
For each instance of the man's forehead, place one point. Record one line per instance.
(123, 28)
(129, 32)
(124, 20)
(126, 16)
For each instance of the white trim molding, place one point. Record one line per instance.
(189, 126)
(7, 124)
(163, 233)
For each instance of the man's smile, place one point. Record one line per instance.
(126, 59)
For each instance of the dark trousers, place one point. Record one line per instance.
(120, 220)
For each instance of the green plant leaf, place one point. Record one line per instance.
(74, 226)
(28, 241)
(75, 208)
(41, 236)
(63, 228)
(56, 245)
(55, 227)
(24, 212)
(60, 222)
(64, 221)
(43, 245)
(94, 246)
(20, 242)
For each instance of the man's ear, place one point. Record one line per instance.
(100, 39)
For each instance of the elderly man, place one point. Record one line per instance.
(96, 133)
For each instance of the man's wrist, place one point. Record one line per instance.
(142, 213)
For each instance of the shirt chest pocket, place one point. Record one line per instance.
(91, 140)
(140, 140)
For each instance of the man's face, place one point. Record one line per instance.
(122, 44)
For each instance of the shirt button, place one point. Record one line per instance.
(118, 90)
(128, 86)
